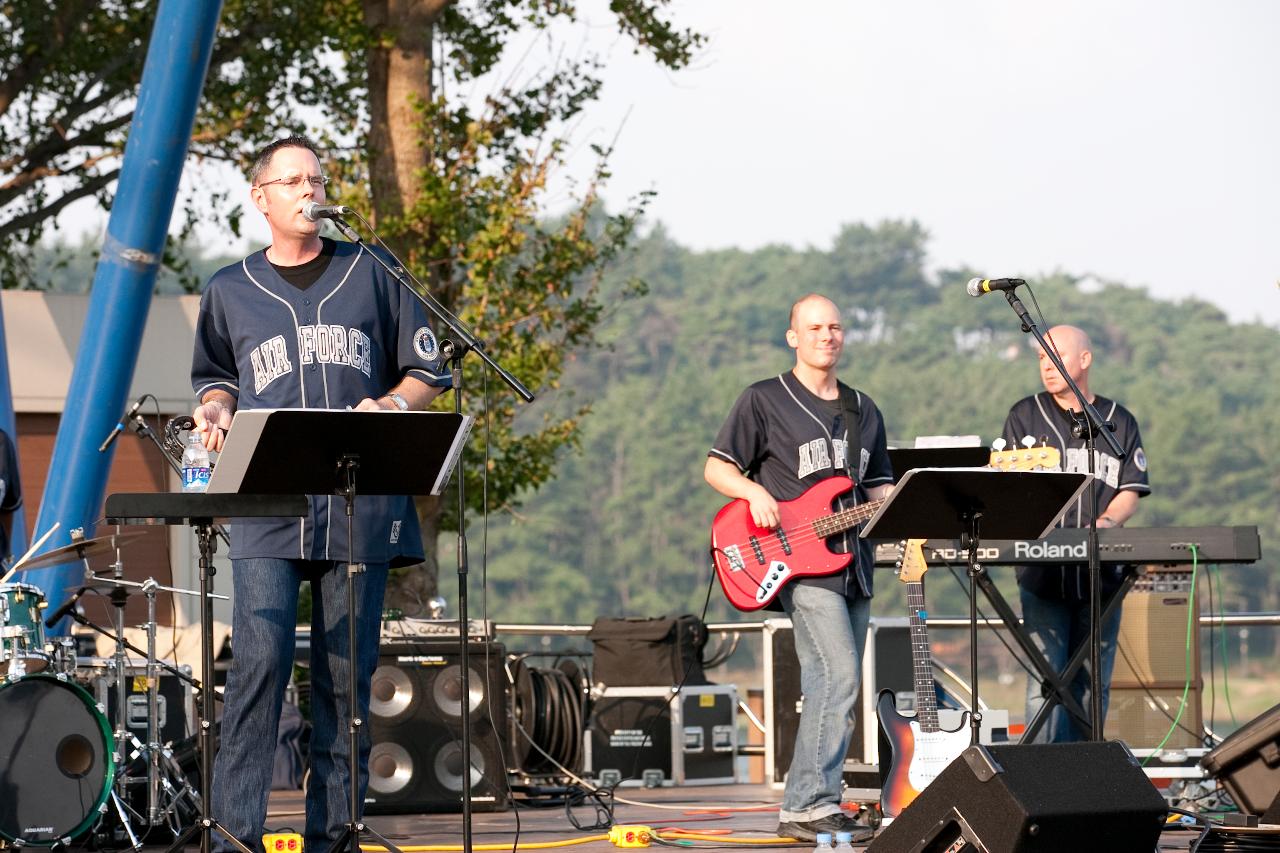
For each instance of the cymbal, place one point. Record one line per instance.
(82, 549)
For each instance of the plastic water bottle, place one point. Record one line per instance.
(844, 841)
(824, 843)
(195, 464)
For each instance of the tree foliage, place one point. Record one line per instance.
(449, 165)
(624, 528)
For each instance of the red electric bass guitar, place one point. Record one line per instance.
(914, 750)
(754, 563)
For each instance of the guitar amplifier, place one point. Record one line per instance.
(646, 736)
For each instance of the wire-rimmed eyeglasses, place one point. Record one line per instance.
(293, 181)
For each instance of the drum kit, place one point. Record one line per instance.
(66, 771)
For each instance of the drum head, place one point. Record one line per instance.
(56, 751)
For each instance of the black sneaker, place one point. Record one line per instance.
(807, 830)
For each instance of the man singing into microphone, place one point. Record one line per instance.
(305, 323)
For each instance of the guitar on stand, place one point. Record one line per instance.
(914, 750)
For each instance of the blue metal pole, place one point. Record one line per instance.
(172, 78)
(9, 423)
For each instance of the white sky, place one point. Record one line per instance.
(1133, 140)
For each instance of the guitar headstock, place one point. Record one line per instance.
(913, 565)
(1025, 458)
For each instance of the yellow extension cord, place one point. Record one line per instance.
(640, 837)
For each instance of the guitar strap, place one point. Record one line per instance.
(852, 412)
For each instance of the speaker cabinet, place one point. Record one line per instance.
(1151, 665)
(886, 664)
(415, 716)
(1032, 798)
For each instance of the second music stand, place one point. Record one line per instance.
(966, 503)
(325, 452)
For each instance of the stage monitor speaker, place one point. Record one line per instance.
(1033, 798)
(415, 715)
(1247, 763)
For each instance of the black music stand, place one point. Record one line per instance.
(319, 452)
(962, 503)
(202, 511)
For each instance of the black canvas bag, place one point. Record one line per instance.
(648, 652)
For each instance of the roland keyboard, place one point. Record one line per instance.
(1143, 545)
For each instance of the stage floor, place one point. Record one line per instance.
(738, 811)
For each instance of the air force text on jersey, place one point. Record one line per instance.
(331, 344)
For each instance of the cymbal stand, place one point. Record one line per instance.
(119, 666)
(153, 707)
(163, 796)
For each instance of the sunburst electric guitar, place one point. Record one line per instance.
(914, 750)
(754, 563)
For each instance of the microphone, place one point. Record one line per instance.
(66, 608)
(979, 286)
(313, 212)
(119, 428)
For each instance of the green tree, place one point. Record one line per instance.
(452, 168)
(624, 528)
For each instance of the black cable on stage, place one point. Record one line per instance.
(1216, 837)
(602, 801)
(553, 721)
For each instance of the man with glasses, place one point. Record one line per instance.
(305, 323)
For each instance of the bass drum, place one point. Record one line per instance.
(56, 761)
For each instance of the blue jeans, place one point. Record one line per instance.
(1057, 628)
(263, 620)
(830, 634)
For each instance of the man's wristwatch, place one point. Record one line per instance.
(398, 401)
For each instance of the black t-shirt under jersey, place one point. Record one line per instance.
(306, 274)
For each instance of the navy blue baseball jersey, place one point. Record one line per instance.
(787, 439)
(1041, 418)
(354, 333)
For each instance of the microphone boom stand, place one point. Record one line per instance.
(453, 353)
(1088, 424)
